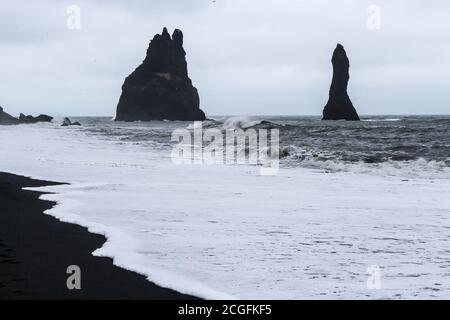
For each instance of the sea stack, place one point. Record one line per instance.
(160, 88)
(339, 106)
(68, 123)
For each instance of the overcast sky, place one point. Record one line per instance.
(244, 56)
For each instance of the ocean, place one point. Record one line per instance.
(348, 198)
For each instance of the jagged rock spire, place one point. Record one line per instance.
(160, 87)
(339, 106)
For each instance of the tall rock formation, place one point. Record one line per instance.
(339, 106)
(160, 88)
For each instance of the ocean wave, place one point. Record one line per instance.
(247, 123)
(383, 119)
(190, 227)
(120, 246)
(208, 123)
(407, 167)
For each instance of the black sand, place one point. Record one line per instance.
(36, 249)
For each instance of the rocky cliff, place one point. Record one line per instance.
(160, 88)
(339, 106)
(6, 118)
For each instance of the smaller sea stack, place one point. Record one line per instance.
(339, 106)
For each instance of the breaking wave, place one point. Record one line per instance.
(235, 123)
(409, 168)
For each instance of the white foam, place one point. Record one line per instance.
(240, 122)
(221, 231)
(419, 168)
(382, 119)
(119, 246)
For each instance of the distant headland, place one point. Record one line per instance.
(339, 106)
(7, 119)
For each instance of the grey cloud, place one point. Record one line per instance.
(245, 57)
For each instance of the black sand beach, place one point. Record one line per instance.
(36, 249)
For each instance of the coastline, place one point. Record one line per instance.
(36, 249)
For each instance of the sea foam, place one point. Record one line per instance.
(225, 231)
